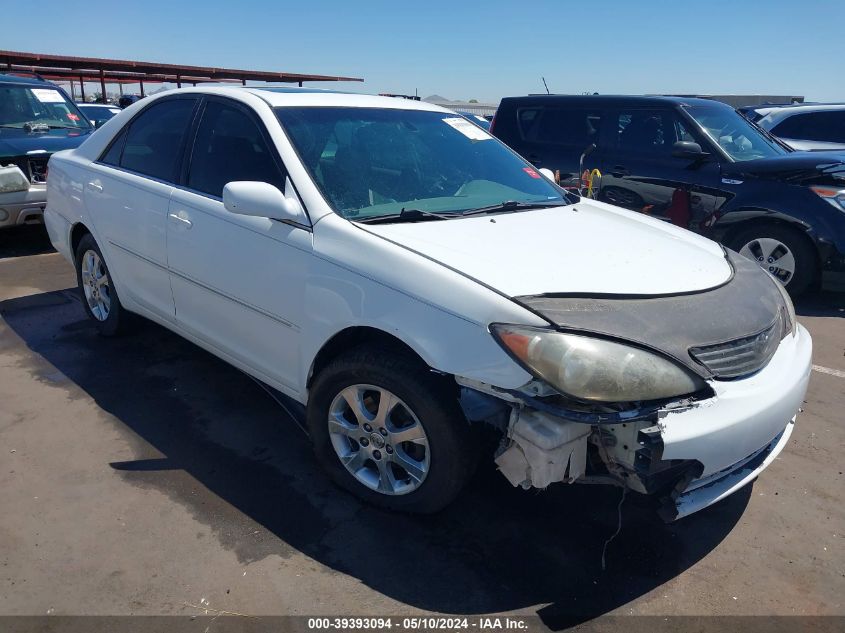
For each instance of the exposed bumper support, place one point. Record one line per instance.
(706, 492)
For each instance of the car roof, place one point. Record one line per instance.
(616, 100)
(802, 107)
(284, 96)
(27, 81)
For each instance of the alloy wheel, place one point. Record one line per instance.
(772, 255)
(379, 439)
(95, 285)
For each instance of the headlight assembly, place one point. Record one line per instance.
(12, 179)
(789, 316)
(595, 369)
(836, 197)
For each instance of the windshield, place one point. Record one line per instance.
(33, 108)
(734, 133)
(372, 162)
(98, 114)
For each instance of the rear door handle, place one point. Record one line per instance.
(183, 221)
(95, 186)
(619, 171)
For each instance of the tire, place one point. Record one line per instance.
(449, 454)
(768, 241)
(98, 294)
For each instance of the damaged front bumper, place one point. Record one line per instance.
(688, 455)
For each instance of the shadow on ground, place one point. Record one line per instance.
(821, 304)
(193, 418)
(24, 240)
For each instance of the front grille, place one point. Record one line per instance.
(38, 170)
(741, 356)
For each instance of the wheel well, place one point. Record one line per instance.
(735, 230)
(353, 337)
(77, 233)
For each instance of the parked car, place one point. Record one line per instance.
(410, 280)
(698, 164)
(127, 100)
(98, 113)
(479, 120)
(803, 126)
(36, 119)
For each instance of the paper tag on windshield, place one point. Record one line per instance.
(45, 95)
(470, 130)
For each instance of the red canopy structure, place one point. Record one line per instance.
(121, 71)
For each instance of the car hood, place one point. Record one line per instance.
(589, 248)
(814, 146)
(795, 167)
(14, 142)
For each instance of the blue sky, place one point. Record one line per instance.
(468, 49)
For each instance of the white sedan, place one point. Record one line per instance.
(410, 279)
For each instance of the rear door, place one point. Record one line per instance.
(554, 137)
(640, 173)
(127, 195)
(238, 281)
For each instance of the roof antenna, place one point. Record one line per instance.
(546, 85)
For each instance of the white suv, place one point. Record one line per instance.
(410, 280)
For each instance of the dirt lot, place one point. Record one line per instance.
(143, 476)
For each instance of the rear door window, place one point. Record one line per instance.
(814, 126)
(230, 146)
(578, 127)
(156, 137)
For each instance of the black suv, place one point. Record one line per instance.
(700, 165)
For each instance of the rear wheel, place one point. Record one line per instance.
(781, 251)
(99, 296)
(388, 430)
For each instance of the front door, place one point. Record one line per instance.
(640, 173)
(238, 281)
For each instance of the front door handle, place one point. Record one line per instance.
(619, 171)
(95, 186)
(183, 221)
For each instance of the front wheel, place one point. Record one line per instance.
(781, 251)
(390, 431)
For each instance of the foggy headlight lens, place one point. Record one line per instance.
(595, 369)
(12, 179)
(836, 197)
(789, 316)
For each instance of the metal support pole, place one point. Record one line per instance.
(103, 85)
(142, 87)
(178, 81)
(300, 84)
(72, 90)
(243, 81)
(82, 87)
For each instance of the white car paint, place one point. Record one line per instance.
(528, 253)
(267, 296)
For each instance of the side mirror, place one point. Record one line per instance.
(263, 200)
(688, 149)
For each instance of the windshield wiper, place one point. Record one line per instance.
(405, 215)
(513, 205)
